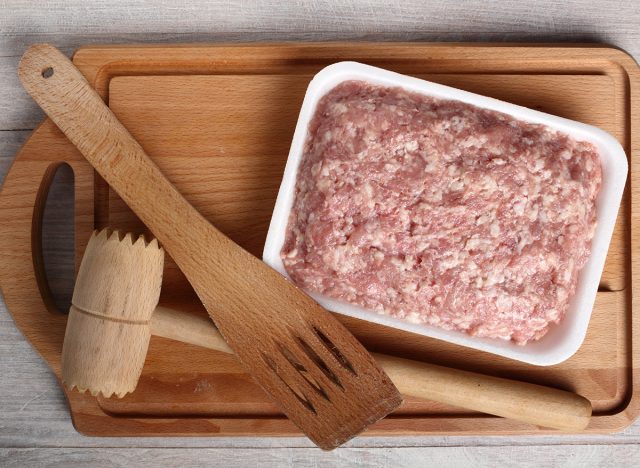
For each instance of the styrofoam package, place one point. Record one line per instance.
(563, 339)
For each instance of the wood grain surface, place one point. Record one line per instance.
(34, 412)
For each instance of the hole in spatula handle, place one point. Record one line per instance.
(47, 73)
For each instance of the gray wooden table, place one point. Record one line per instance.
(35, 428)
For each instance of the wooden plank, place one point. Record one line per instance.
(17, 110)
(566, 456)
(10, 143)
(74, 23)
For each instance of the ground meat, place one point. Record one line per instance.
(439, 212)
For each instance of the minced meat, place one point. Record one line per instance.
(442, 213)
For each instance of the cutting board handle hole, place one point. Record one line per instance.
(53, 237)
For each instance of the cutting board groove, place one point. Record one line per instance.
(218, 120)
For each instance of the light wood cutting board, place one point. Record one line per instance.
(218, 121)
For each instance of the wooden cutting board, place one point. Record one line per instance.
(218, 121)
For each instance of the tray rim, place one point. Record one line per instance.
(91, 61)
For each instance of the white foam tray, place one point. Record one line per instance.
(563, 339)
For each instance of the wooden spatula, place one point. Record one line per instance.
(314, 369)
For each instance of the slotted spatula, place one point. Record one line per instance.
(313, 368)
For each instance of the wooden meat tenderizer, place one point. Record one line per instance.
(108, 328)
(106, 356)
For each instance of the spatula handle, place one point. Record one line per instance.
(521, 401)
(76, 108)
